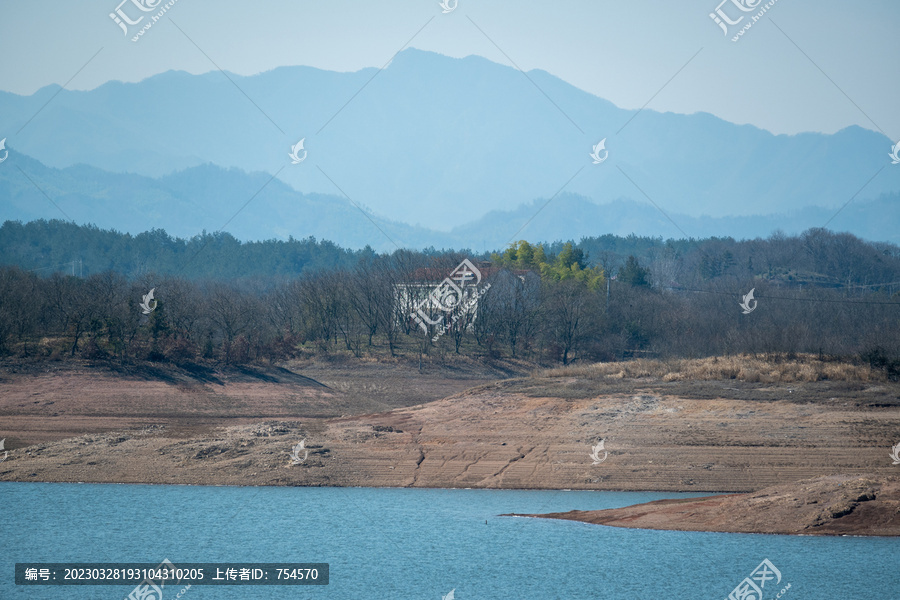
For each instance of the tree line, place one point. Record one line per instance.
(817, 292)
(817, 257)
(48, 246)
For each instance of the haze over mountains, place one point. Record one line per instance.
(446, 152)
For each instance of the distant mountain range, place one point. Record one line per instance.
(254, 206)
(433, 145)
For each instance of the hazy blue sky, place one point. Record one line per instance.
(623, 51)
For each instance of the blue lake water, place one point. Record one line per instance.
(416, 544)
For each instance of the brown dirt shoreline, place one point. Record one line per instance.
(390, 425)
(830, 505)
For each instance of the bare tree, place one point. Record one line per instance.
(570, 311)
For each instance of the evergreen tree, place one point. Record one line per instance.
(634, 274)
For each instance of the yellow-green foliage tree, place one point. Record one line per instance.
(570, 263)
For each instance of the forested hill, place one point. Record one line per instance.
(604, 298)
(817, 257)
(48, 246)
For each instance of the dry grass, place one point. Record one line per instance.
(741, 367)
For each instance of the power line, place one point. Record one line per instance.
(827, 300)
(70, 263)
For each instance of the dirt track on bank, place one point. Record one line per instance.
(236, 428)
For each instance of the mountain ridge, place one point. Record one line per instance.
(253, 206)
(435, 143)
